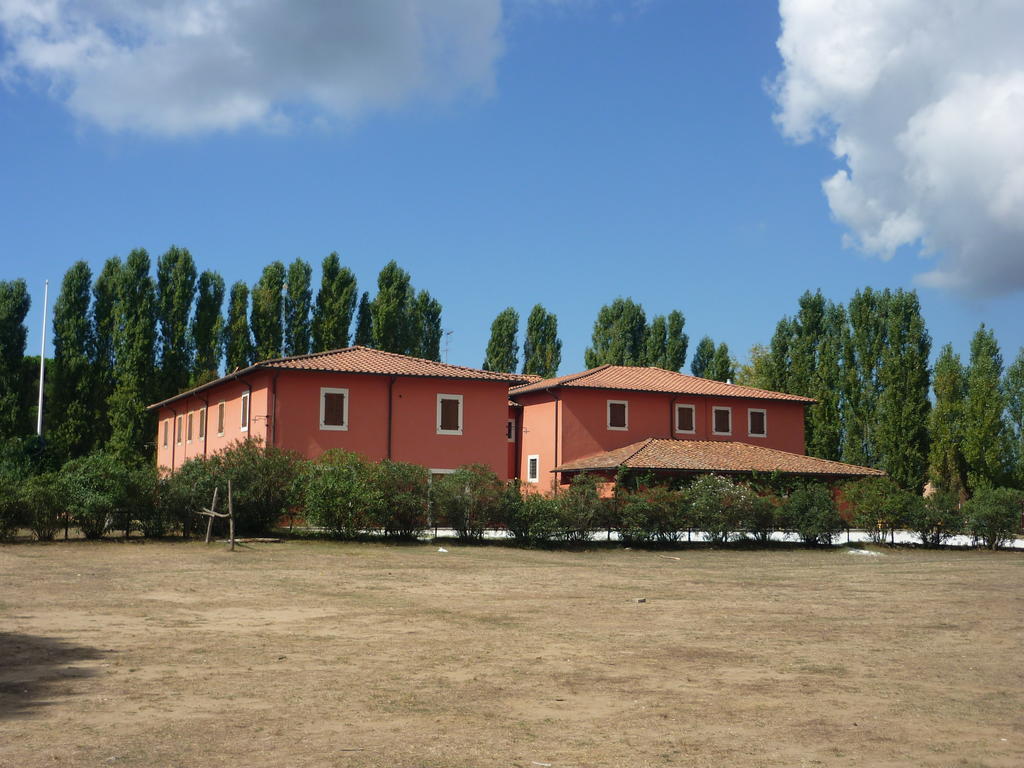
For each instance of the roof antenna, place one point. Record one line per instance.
(447, 336)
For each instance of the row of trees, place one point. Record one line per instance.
(350, 498)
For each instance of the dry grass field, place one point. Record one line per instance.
(320, 654)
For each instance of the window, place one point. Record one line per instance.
(757, 422)
(618, 414)
(333, 408)
(685, 422)
(245, 412)
(510, 430)
(188, 430)
(166, 430)
(202, 423)
(721, 421)
(220, 418)
(179, 430)
(449, 414)
(533, 469)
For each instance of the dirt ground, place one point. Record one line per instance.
(322, 654)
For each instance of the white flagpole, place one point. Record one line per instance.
(42, 361)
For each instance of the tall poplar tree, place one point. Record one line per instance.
(265, 316)
(104, 301)
(721, 368)
(427, 324)
(825, 416)
(208, 328)
(676, 342)
(134, 357)
(1013, 386)
(542, 349)
(755, 373)
(946, 468)
(175, 297)
(619, 336)
(335, 306)
(656, 343)
(703, 358)
(14, 306)
(901, 436)
(503, 347)
(298, 296)
(985, 446)
(364, 322)
(868, 314)
(392, 310)
(238, 348)
(69, 412)
(776, 366)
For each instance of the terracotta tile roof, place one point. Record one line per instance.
(363, 360)
(639, 379)
(713, 456)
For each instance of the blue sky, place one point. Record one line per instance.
(607, 149)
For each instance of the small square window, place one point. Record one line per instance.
(202, 423)
(757, 422)
(244, 413)
(333, 408)
(721, 421)
(220, 418)
(685, 421)
(449, 414)
(618, 414)
(533, 469)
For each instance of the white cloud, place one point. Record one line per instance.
(173, 67)
(923, 100)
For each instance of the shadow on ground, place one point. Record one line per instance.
(35, 670)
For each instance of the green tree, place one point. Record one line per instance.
(503, 348)
(703, 358)
(868, 314)
(542, 349)
(70, 412)
(722, 367)
(427, 326)
(619, 336)
(335, 305)
(134, 356)
(364, 322)
(776, 367)
(238, 349)
(298, 296)
(825, 418)
(265, 316)
(14, 306)
(208, 328)
(676, 343)
(986, 444)
(755, 373)
(104, 301)
(392, 310)
(1013, 386)
(901, 436)
(175, 297)
(946, 468)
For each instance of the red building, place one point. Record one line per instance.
(379, 404)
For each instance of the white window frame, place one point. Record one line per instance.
(222, 417)
(531, 458)
(510, 430)
(608, 414)
(440, 397)
(189, 422)
(693, 419)
(763, 412)
(715, 409)
(243, 412)
(202, 426)
(344, 411)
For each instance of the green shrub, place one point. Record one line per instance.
(993, 515)
(468, 499)
(879, 506)
(762, 517)
(182, 493)
(404, 492)
(935, 518)
(338, 492)
(14, 467)
(810, 511)
(530, 518)
(720, 507)
(42, 505)
(262, 482)
(579, 510)
(94, 489)
(653, 515)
